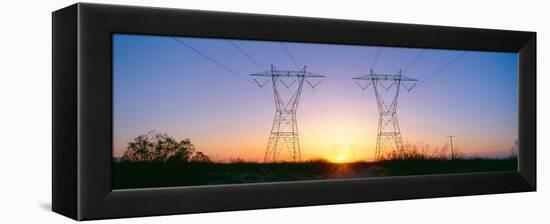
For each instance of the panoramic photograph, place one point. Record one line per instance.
(190, 111)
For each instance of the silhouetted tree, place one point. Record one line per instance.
(200, 157)
(160, 147)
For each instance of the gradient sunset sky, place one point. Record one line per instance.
(159, 84)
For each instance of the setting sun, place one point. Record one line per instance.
(341, 159)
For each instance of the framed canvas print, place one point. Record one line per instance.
(195, 111)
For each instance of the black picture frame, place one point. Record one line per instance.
(82, 111)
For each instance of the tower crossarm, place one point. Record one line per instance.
(289, 74)
(386, 77)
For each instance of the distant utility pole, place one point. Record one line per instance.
(452, 150)
(284, 131)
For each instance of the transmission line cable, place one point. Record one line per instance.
(289, 55)
(413, 62)
(212, 60)
(220, 64)
(254, 61)
(444, 67)
(246, 54)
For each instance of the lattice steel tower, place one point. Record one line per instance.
(284, 131)
(389, 133)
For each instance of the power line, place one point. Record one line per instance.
(444, 67)
(221, 65)
(246, 55)
(212, 60)
(289, 55)
(415, 60)
(254, 61)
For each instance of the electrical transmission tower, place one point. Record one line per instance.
(386, 90)
(284, 132)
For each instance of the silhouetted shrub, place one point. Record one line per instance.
(201, 158)
(159, 147)
(423, 152)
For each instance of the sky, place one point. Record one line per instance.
(159, 84)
